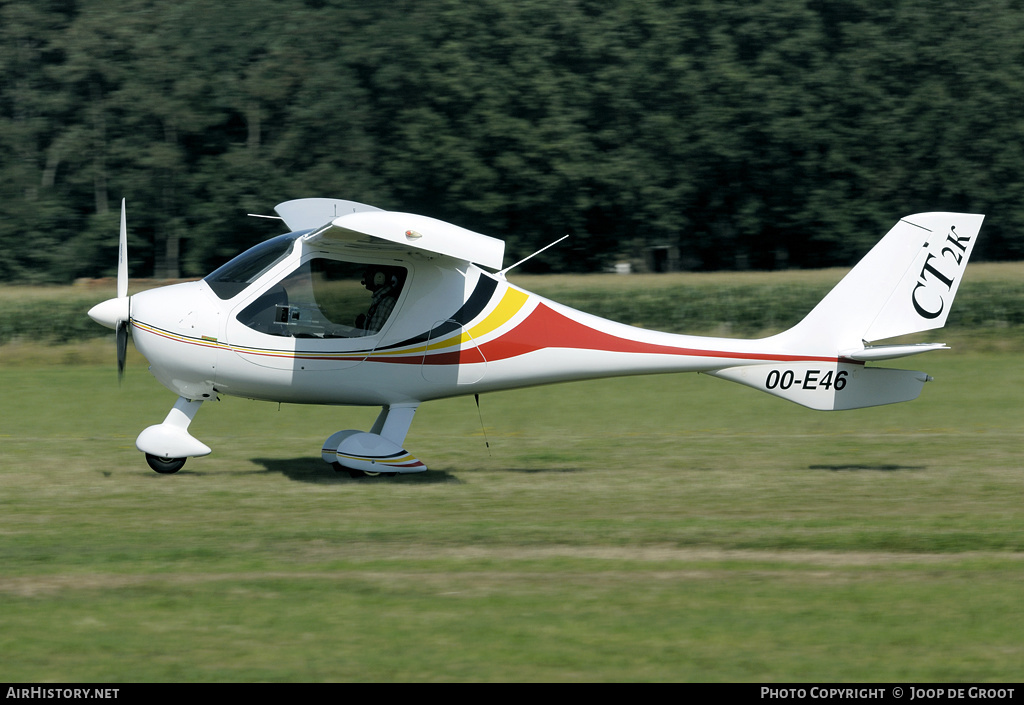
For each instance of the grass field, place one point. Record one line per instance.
(673, 528)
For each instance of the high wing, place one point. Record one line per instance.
(348, 222)
(309, 213)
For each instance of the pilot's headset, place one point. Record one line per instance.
(374, 278)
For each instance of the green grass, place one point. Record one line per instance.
(660, 529)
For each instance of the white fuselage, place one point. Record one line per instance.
(454, 329)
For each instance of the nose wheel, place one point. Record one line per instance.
(165, 466)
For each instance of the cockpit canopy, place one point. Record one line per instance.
(232, 278)
(324, 296)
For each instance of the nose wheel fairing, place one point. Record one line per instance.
(169, 443)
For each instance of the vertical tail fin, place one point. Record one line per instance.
(905, 284)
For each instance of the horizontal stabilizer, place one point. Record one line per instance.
(869, 353)
(829, 386)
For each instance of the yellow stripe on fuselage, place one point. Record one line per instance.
(510, 304)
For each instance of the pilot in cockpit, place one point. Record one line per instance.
(385, 283)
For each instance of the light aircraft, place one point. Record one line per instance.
(362, 306)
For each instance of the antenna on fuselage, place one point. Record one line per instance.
(483, 428)
(505, 271)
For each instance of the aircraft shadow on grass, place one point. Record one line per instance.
(878, 467)
(308, 469)
(546, 471)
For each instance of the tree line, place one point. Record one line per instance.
(746, 133)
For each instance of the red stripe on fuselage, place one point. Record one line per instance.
(547, 328)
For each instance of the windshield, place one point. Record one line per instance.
(230, 279)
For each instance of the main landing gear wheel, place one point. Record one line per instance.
(338, 467)
(366, 473)
(165, 466)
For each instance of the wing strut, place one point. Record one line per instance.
(505, 271)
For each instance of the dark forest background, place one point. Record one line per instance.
(748, 133)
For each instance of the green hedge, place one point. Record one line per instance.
(702, 308)
(756, 309)
(48, 321)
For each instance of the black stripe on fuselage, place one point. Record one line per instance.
(476, 303)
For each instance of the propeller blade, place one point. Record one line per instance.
(122, 348)
(122, 293)
(122, 256)
(116, 313)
